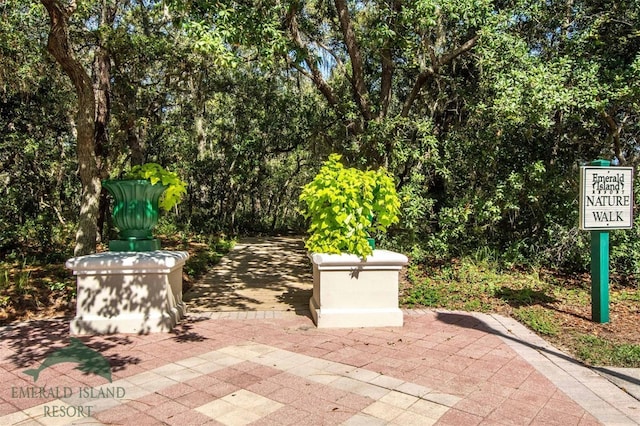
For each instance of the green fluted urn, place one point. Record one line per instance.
(135, 209)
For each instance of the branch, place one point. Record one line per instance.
(615, 130)
(436, 64)
(360, 88)
(71, 8)
(301, 70)
(58, 46)
(468, 45)
(415, 92)
(316, 75)
(386, 79)
(331, 52)
(387, 68)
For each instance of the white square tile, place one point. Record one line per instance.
(428, 409)
(383, 411)
(239, 408)
(217, 408)
(408, 418)
(399, 399)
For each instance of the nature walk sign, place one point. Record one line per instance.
(606, 203)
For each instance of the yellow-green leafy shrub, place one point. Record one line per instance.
(345, 205)
(155, 173)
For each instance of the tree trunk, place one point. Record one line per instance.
(102, 94)
(59, 46)
(133, 140)
(360, 90)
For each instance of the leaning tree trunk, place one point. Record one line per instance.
(59, 46)
(102, 93)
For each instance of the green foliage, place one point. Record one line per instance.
(538, 319)
(57, 286)
(345, 205)
(154, 173)
(485, 157)
(476, 285)
(206, 251)
(22, 279)
(4, 278)
(595, 350)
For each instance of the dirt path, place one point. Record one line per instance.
(259, 274)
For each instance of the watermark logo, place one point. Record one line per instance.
(88, 360)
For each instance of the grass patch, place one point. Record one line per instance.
(538, 319)
(595, 350)
(626, 295)
(471, 286)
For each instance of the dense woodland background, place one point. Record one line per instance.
(483, 110)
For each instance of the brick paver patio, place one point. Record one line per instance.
(442, 368)
(273, 367)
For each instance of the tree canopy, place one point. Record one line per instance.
(482, 110)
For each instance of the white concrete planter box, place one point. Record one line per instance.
(350, 292)
(128, 292)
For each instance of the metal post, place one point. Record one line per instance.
(600, 276)
(600, 269)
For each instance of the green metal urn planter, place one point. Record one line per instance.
(135, 213)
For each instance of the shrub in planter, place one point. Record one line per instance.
(346, 205)
(175, 188)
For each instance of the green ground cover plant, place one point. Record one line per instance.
(601, 351)
(554, 305)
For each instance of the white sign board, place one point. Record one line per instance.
(606, 198)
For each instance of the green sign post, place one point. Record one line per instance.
(606, 202)
(600, 268)
(600, 276)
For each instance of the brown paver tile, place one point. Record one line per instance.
(553, 417)
(455, 417)
(589, 420)
(148, 402)
(561, 402)
(511, 378)
(514, 412)
(6, 408)
(287, 415)
(115, 415)
(220, 389)
(195, 399)
(263, 387)
(534, 398)
(285, 395)
(142, 419)
(167, 410)
(190, 417)
(176, 391)
(480, 406)
(493, 389)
